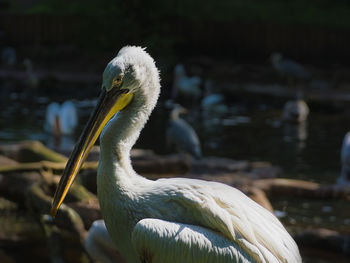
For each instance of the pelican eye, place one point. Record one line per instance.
(117, 81)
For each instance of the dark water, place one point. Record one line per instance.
(250, 130)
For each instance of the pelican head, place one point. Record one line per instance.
(130, 78)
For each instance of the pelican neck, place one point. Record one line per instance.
(120, 135)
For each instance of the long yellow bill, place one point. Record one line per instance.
(109, 103)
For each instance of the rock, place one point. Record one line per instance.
(15, 185)
(7, 161)
(324, 239)
(302, 189)
(88, 211)
(6, 258)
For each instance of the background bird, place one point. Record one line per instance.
(289, 69)
(344, 177)
(99, 244)
(152, 221)
(295, 111)
(212, 104)
(61, 119)
(181, 135)
(31, 79)
(184, 86)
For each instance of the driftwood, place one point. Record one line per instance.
(171, 164)
(42, 165)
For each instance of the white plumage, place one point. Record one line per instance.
(344, 177)
(188, 87)
(193, 216)
(61, 119)
(295, 111)
(99, 245)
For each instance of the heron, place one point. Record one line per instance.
(61, 119)
(166, 220)
(180, 134)
(289, 68)
(344, 177)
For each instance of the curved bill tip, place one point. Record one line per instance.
(53, 212)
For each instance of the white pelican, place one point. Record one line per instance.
(61, 119)
(189, 87)
(212, 104)
(295, 111)
(344, 177)
(180, 134)
(99, 245)
(167, 220)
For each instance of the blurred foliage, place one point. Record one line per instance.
(109, 23)
(318, 12)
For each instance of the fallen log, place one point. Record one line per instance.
(161, 165)
(30, 151)
(282, 186)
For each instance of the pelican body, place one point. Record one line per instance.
(344, 177)
(167, 220)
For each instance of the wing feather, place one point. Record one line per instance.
(228, 211)
(159, 241)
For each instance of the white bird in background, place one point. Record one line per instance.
(212, 104)
(344, 177)
(295, 111)
(167, 220)
(61, 119)
(188, 87)
(181, 135)
(99, 244)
